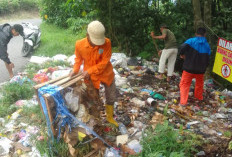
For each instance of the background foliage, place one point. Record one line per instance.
(129, 23)
(12, 6)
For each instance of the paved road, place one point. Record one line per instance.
(14, 51)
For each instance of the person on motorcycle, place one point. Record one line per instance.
(6, 33)
(94, 51)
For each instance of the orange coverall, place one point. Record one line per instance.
(96, 61)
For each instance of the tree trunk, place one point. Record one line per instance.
(207, 15)
(198, 22)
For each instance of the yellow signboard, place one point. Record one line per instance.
(223, 59)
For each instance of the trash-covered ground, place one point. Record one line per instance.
(143, 102)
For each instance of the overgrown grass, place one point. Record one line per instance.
(167, 142)
(33, 115)
(12, 92)
(46, 148)
(55, 40)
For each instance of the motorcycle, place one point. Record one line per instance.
(31, 39)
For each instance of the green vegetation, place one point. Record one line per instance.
(47, 148)
(55, 40)
(12, 6)
(12, 92)
(167, 142)
(228, 134)
(129, 23)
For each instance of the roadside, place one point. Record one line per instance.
(16, 43)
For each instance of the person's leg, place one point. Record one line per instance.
(185, 83)
(162, 62)
(9, 69)
(171, 63)
(110, 93)
(198, 92)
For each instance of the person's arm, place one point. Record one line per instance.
(163, 36)
(78, 61)
(182, 50)
(101, 66)
(3, 53)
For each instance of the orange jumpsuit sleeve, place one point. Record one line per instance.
(78, 60)
(101, 66)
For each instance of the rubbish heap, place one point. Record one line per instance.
(143, 101)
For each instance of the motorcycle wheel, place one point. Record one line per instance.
(26, 50)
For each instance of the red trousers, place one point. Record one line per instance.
(185, 84)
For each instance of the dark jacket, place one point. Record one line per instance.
(5, 36)
(197, 54)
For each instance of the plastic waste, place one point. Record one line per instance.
(138, 102)
(120, 81)
(122, 129)
(5, 145)
(201, 153)
(40, 78)
(60, 73)
(135, 145)
(151, 101)
(71, 59)
(111, 153)
(16, 114)
(72, 101)
(119, 59)
(39, 60)
(59, 57)
(157, 96)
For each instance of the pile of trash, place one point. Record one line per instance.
(143, 101)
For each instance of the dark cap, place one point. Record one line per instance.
(19, 28)
(163, 26)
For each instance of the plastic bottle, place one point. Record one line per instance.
(122, 129)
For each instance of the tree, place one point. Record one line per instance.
(198, 22)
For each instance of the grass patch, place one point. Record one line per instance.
(33, 115)
(56, 149)
(165, 141)
(55, 40)
(228, 134)
(11, 93)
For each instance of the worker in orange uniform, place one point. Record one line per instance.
(94, 51)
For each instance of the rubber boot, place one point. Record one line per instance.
(109, 114)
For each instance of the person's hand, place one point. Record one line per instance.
(159, 53)
(11, 65)
(182, 56)
(71, 74)
(152, 34)
(85, 74)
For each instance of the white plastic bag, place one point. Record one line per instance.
(119, 59)
(72, 101)
(5, 145)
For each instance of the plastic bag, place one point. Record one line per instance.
(158, 96)
(40, 78)
(119, 59)
(72, 101)
(111, 153)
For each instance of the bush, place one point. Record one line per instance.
(165, 141)
(11, 6)
(12, 92)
